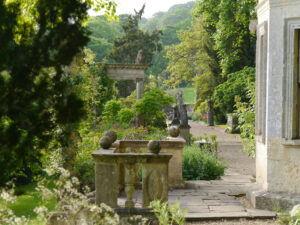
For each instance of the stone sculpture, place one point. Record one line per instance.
(140, 58)
(176, 116)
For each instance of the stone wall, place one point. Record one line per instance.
(277, 151)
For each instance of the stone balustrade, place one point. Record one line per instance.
(171, 145)
(154, 177)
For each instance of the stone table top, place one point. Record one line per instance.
(109, 155)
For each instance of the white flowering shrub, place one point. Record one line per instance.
(295, 215)
(7, 216)
(72, 207)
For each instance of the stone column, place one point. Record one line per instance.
(139, 88)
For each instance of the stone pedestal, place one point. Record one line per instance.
(155, 176)
(172, 146)
(106, 180)
(155, 182)
(185, 134)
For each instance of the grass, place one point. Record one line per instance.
(27, 199)
(224, 126)
(189, 94)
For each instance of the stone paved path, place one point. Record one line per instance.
(224, 199)
(217, 199)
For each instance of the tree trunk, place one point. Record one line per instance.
(210, 115)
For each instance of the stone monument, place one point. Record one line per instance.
(184, 126)
(277, 104)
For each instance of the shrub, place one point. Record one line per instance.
(236, 85)
(111, 109)
(125, 115)
(150, 107)
(200, 164)
(168, 214)
(246, 118)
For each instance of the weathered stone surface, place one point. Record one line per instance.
(174, 131)
(105, 142)
(227, 208)
(154, 146)
(185, 134)
(155, 182)
(155, 176)
(172, 146)
(272, 201)
(113, 135)
(106, 184)
(277, 99)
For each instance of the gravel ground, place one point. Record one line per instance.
(236, 222)
(199, 128)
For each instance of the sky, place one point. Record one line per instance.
(152, 6)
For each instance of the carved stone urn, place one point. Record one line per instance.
(154, 146)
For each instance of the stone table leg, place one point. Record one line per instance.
(106, 182)
(129, 184)
(155, 182)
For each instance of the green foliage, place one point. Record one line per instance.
(111, 110)
(201, 164)
(188, 96)
(125, 115)
(37, 41)
(168, 214)
(103, 32)
(142, 133)
(84, 164)
(236, 85)
(36, 94)
(150, 107)
(194, 59)
(125, 48)
(246, 117)
(91, 83)
(227, 23)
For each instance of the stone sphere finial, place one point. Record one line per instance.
(174, 131)
(105, 142)
(112, 135)
(154, 146)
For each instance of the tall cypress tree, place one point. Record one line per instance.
(125, 48)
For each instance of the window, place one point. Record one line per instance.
(291, 128)
(261, 76)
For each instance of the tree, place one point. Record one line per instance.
(228, 21)
(150, 108)
(191, 59)
(103, 32)
(235, 86)
(38, 39)
(195, 59)
(125, 48)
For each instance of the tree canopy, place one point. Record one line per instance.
(126, 47)
(39, 38)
